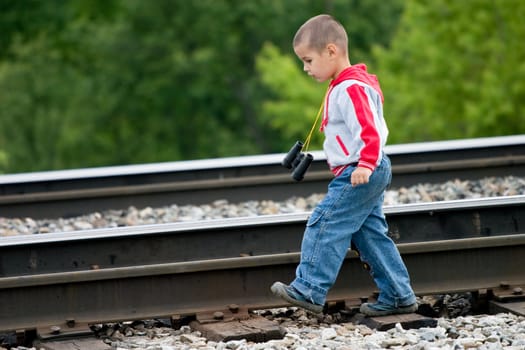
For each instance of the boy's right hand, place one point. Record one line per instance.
(360, 176)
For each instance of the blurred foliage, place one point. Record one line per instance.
(293, 109)
(91, 83)
(104, 82)
(455, 69)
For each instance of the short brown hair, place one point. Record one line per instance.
(320, 31)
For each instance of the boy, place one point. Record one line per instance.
(352, 210)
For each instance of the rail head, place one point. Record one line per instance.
(250, 221)
(246, 161)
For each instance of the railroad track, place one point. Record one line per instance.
(194, 268)
(71, 193)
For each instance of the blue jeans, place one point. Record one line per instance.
(355, 214)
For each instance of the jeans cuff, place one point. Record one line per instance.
(398, 301)
(310, 292)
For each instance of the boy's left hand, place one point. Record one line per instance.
(360, 176)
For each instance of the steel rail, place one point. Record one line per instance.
(79, 191)
(245, 236)
(184, 288)
(201, 266)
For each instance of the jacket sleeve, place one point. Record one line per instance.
(369, 135)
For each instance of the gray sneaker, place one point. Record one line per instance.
(289, 294)
(380, 309)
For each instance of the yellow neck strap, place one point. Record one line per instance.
(307, 141)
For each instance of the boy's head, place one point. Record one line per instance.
(322, 44)
(320, 31)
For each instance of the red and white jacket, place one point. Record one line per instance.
(353, 124)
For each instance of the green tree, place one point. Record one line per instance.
(105, 82)
(293, 109)
(455, 69)
(47, 119)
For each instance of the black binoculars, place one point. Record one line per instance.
(298, 161)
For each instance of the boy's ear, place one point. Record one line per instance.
(332, 49)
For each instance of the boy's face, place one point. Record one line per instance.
(319, 65)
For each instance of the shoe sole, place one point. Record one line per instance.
(279, 289)
(402, 310)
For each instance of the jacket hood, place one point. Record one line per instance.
(358, 72)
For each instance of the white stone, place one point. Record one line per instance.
(328, 333)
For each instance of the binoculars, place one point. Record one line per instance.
(298, 161)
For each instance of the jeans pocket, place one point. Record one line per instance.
(317, 214)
